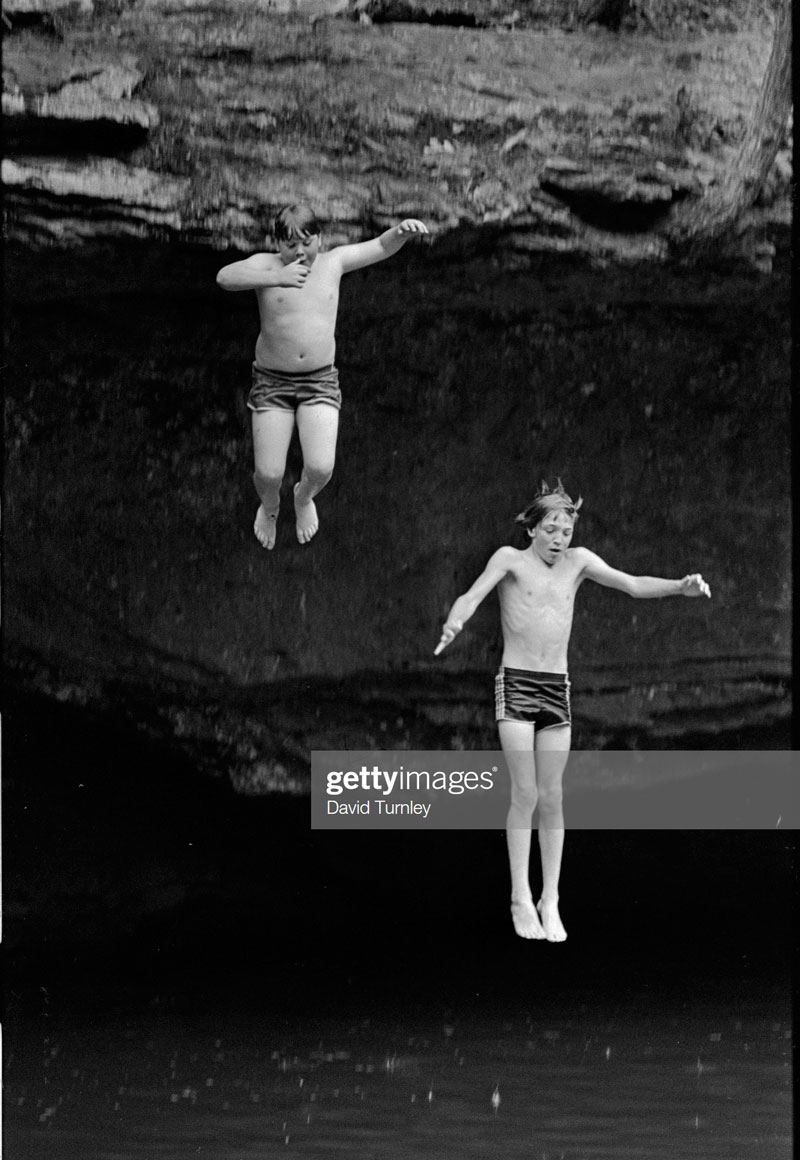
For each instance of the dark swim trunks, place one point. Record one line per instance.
(538, 699)
(287, 390)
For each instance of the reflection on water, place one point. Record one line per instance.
(593, 1085)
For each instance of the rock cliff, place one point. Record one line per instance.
(144, 139)
(180, 119)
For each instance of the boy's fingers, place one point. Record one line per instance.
(696, 580)
(449, 634)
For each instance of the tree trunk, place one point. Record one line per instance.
(709, 222)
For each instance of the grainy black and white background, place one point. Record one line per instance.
(191, 971)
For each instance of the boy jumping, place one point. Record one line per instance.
(537, 589)
(294, 377)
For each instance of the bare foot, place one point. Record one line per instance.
(307, 521)
(551, 921)
(264, 527)
(526, 920)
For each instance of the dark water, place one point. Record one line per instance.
(364, 994)
(590, 1081)
(196, 973)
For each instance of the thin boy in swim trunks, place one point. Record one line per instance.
(294, 376)
(537, 588)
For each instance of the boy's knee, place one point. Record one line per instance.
(268, 477)
(318, 474)
(550, 800)
(524, 800)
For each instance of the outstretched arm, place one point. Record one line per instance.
(642, 587)
(362, 254)
(466, 605)
(260, 271)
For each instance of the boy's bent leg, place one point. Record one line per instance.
(318, 427)
(516, 740)
(272, 434)
(552, 754)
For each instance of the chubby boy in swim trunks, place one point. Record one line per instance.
(537, 588)
(295, 380)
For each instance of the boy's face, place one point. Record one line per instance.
(550, 538)
(302, 246)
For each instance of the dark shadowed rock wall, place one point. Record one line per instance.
(542, 331)
(661, 397)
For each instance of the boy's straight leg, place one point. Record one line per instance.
(517, 743)
(272, 434)
(552, 754)
(318, 428)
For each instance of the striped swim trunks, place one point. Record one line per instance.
(538, 699)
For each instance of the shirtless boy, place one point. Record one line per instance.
(537, 589)
(294, 377)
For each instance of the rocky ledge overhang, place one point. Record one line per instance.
(193, 120)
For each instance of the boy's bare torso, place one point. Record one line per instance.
(298, 323)
(536, 607)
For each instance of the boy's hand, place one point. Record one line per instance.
(694, 585)
(412, 226)
(294, 274)
(449, 633)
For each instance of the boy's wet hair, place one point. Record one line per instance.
(294, 221)
(546, 501)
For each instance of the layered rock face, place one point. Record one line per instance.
(172, 119)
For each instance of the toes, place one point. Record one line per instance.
(524, 926)
(307, 528)
(265, 528)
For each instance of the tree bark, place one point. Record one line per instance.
(718, 216)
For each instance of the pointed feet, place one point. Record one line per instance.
(265, 527)
(307, 520)
(526, 920)
(551, 921)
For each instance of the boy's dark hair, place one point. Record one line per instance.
(294, 221)
(547, 500)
